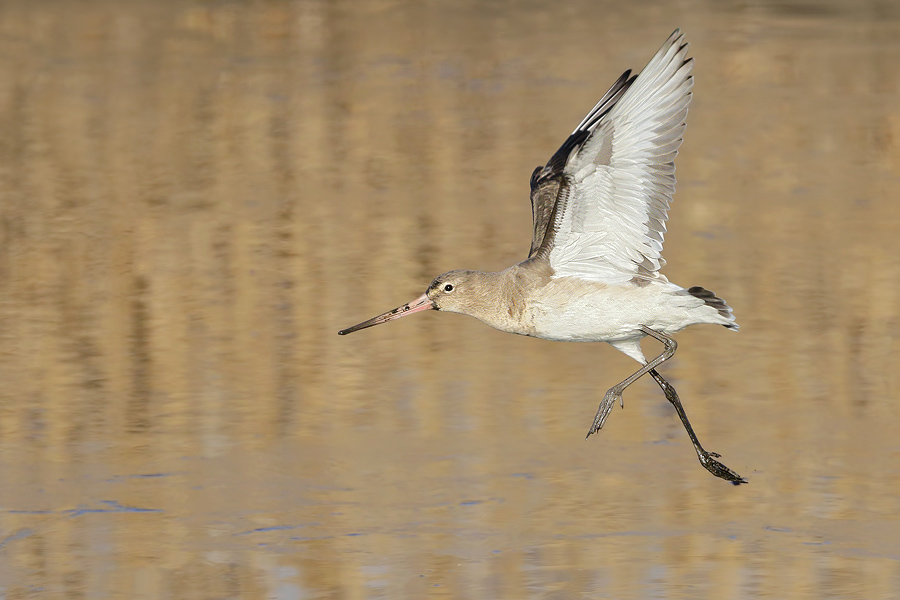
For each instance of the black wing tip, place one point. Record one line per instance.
(535, 177)
(623, 77)
(557, 162)
(607, 102)
(559, 159)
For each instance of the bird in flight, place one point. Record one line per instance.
(599, 208)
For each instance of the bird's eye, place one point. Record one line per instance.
(448, 287)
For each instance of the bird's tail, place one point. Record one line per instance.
(713, 301)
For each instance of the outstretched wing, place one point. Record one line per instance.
(609, 218)
(547, 183)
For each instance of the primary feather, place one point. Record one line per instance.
(603, 199)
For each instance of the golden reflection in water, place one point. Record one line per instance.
(195, 197)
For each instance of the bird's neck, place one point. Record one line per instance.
(502, 301)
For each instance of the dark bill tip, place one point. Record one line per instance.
(370, 323)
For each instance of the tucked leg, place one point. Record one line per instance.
(615, 392)
(707, 459)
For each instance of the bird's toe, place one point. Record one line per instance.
(720, 470)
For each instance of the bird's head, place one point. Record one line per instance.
(457, 291)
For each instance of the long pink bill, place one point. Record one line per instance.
(418, 305)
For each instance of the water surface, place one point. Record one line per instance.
(196, 196)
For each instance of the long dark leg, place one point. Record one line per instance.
(707, 459)
(615, 392)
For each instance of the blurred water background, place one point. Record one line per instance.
(195, 196)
